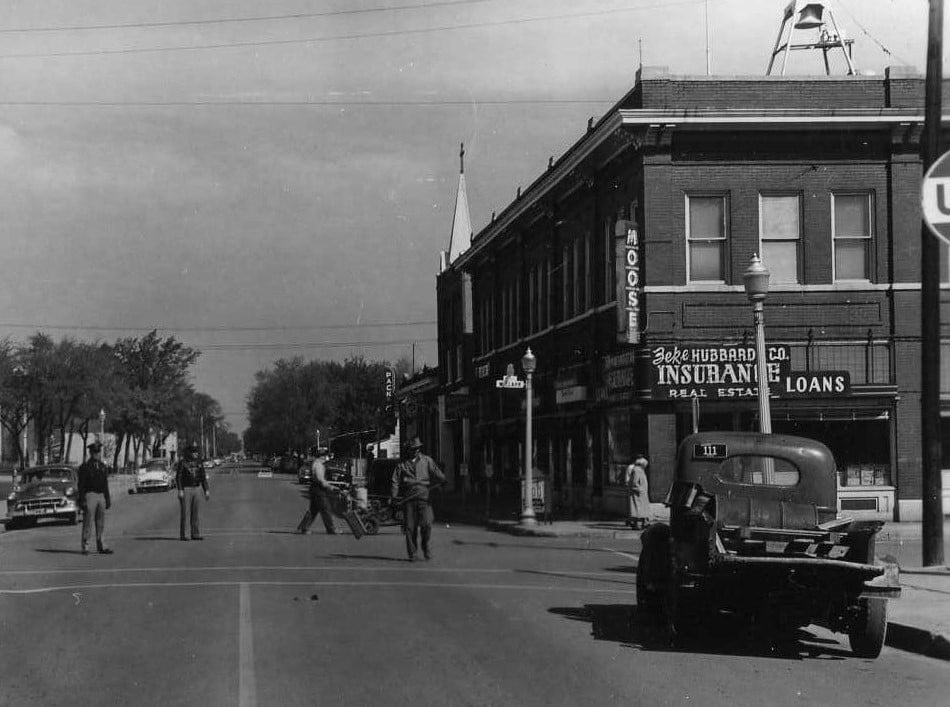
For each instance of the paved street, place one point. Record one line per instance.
(257, 615)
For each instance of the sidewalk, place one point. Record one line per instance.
(919, 621)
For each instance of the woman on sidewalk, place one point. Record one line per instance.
(638, 512)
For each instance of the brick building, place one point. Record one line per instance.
(621, 267)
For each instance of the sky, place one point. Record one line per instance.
(265, 179)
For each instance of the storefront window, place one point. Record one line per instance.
(625, 436)
(861, 448)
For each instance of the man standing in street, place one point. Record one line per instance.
(191, 481)
(413, 479)
(319, 497)
(94, 498)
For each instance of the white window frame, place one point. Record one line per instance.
(869, 238)
(724, 239)
(783, 239)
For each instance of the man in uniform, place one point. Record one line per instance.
(319, 497)
(191, 480)
(412, 479)
(94, 498)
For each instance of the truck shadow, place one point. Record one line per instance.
(623, 624)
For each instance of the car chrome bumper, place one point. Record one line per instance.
(51, 512)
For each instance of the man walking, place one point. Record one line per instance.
(94, 498)
(191, 481)
(319, 497)
(413, 479)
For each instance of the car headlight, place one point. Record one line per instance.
(70, 491)
(11, 498)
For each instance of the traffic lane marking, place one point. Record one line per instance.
(300, 568)
(315, 583)
(247, 683)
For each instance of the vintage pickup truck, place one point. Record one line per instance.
(754, 531)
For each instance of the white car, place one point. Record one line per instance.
(156, 475)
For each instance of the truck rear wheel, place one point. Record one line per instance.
(867, 634)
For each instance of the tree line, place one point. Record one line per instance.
(294, 399)
(58, 389)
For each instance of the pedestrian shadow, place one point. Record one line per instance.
(156, 538)
(52, 551)
(625, 625)
(537, 546)
(624, 569)
(585, 577)
(342, 556)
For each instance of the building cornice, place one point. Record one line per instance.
(771, 119)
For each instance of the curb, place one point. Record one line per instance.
(918, 640)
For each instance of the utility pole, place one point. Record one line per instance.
(931, 491)
(708, 57)
(201, 424)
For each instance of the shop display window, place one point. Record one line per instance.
(861, 448)
(625, 435)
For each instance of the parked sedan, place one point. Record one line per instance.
(43, 492)
(156, 475)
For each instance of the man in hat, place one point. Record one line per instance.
(191, 480)
(320, 491)
(412, 480)
(94, 498)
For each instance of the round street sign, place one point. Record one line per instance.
(935, 198)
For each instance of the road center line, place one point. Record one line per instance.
(247, 685)
(275, 583)
(294, 568)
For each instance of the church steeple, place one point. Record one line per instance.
(462, 222)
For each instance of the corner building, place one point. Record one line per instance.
(621, 267)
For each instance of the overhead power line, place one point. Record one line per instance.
(344, 37)
(305, 327)
(314, 345)
(874, 39)
(349, 104)
(236, 20)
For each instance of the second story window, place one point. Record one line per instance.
(853, 226)
(706, 234)
(780, 234)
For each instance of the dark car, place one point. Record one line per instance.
(753, 532)
(288, 464)
(338, 475)
(43, 492)
(304, 472)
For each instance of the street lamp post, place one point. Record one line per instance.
(528, 364)
(102, 425)
(756, 281)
